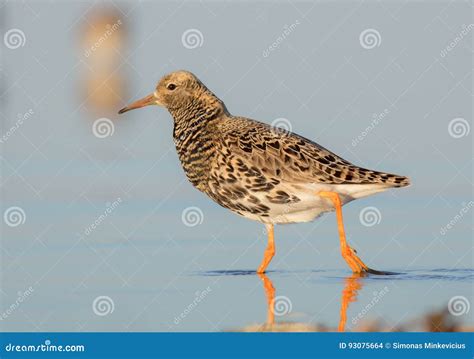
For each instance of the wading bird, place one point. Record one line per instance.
(258, 171)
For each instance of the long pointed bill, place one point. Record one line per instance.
(146, 101)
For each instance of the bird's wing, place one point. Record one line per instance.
(291, 157)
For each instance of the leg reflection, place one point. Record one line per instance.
(270, 294)
(349, 294)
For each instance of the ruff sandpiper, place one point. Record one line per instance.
(258, 171)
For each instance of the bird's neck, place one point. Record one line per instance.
(195, 134)
(198, 109)
(195, 119)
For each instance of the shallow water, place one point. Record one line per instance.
(356, 292)
(158, 274)
(192, 299)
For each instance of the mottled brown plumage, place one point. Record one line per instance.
(256, 170)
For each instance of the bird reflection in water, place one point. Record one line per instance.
(270, 294)
(352, 285)
(349, 294)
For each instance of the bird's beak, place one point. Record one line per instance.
(146, 101)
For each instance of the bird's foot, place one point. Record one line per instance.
(357, 265)
(354, 262)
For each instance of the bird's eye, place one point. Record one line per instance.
(171, 87)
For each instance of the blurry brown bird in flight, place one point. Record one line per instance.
(259, 171)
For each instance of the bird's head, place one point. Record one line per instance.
(183, 94)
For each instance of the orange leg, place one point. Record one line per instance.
(348, 253)
(269, 252)
(270, 294)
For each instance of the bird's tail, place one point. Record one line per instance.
(389, 179)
